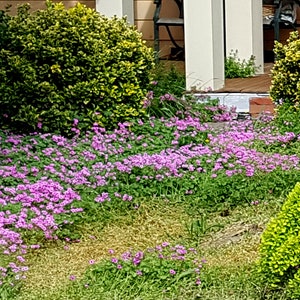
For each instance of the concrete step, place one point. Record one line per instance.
(254, 104)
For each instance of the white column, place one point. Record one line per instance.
(204, 44)
(119, 8)
(244, 29)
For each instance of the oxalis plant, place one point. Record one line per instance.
(163, 269)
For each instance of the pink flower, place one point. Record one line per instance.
(172, 272)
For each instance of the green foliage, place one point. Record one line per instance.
(4, 18)
(59, 65)
(164, 270)
(280, 247)
(168, 79)
(286, 73)
(11, 285)
(164, 98)
(237, 68)
(287, 118)
(200, 228)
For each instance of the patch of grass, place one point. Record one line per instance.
(231, 254)
(51, 267)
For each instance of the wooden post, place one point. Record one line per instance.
(204, 44)
(244, 29)
(119, 8)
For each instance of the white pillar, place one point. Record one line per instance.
(244, 29)
(204, 44)
(119, 8)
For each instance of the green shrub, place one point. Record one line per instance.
(287, 119)
(60, 65)
(4, 18)
(237, 68)
(280, 247)
(285, 86)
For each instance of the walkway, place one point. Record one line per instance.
(259, 84)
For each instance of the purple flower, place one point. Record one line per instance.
(72, 277)
(146, 103)
(102, 197)
(20, 258)
(172, 272)
(114, 260)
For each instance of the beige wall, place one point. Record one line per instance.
(144, 11)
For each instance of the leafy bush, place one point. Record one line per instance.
(237, 68)
(62, 68)
(285, 73)
(4, 18)
(287, 119)
(280, 247)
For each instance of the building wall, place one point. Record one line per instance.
(144, 12)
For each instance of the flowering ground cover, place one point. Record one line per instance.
(51, 187)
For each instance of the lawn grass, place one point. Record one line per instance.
(230, 248)
(152, 225)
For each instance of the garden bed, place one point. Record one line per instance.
(68, 203)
